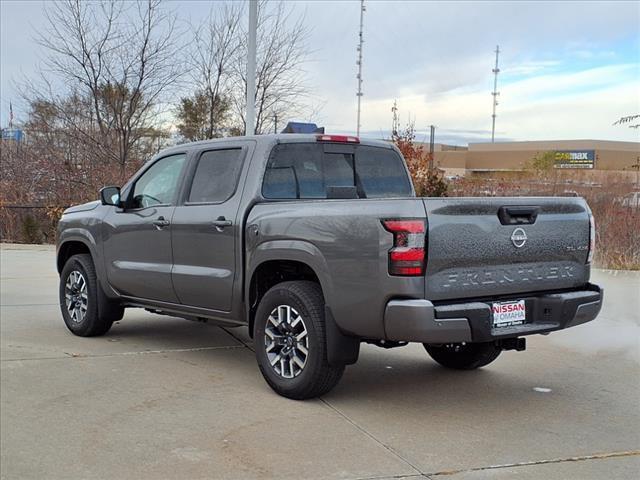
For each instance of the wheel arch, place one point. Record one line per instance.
(76, 240)
(69, 248)
(271, 272)
(287, 260)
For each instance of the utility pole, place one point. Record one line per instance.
(250, 116)
(495, 94)
(432, 136)
(275, 123)
(359, 63)
(395, 125)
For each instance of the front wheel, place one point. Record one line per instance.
(84, 309)
(463, 356)
(290, 341)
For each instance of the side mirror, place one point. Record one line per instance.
(110, 196)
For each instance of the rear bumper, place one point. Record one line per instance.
(422, 321)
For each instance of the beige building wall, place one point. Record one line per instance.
(451, 162)
(508, 156)
(546, 145)
(616, 159)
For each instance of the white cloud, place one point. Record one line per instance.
(580, 104)
(589, 114)
(436, 59)
(550, 85)
(529, 67)
(593, 54)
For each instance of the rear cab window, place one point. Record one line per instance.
(308, 170)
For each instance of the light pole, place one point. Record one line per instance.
(250, 116)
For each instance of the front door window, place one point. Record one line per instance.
(159, 184)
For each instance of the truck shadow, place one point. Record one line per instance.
(405, 378)
(411, 381)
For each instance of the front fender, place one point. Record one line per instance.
(78, 235)
(86, 237)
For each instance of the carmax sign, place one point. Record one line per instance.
(575, 158)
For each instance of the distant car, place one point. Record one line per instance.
(631, 200)
(570, 193)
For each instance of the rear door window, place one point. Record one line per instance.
(216, 176)
(305, 170)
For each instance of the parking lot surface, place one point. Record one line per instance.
(160, 397)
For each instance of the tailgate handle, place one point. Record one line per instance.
(518, 215)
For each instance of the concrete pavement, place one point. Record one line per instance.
(160, 397)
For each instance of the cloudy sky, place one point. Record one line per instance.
(568, 69)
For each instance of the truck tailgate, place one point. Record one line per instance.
(479, 247)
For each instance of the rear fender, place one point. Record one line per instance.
(341, 349)
(293, 250)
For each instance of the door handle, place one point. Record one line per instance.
(220, 223)
(160, 223)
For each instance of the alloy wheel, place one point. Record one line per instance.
(286, 341)
(76, 296)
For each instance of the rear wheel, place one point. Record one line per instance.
(463, 356)
(290, 341)
(85, 309)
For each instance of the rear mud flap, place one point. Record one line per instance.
(341, 349)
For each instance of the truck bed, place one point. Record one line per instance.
(469, 252)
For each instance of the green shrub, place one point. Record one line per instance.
(30, 229)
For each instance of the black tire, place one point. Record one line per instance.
(317, 377)
(468, 356)
(100, 312)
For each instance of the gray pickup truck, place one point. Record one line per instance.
(316, 243)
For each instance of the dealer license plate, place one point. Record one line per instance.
(506, 314)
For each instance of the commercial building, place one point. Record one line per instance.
(595, 156)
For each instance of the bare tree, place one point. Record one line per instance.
(218, 66)
(121, 59)
(215, 47)
(281, 84)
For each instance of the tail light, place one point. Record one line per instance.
(407, 257)
(337, 138)
(592, 238)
